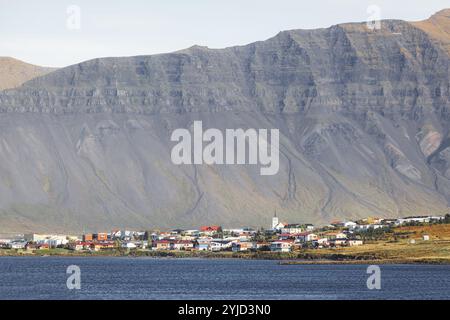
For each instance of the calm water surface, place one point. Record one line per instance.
(150, 278)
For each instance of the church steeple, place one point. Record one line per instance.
(274, 220)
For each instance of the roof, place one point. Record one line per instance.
(163, 241)
(244, 243)
(209, 228)
(293, 225)
(173, 241)
(283, 241)
(416, 217)
(182, 242)
(288, 234)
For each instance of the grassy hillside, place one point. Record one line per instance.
(14, 73)
(396, 247)
(437, 27)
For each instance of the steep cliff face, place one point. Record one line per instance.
(14, 73)
(363, 117)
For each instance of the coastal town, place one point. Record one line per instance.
(280, 237)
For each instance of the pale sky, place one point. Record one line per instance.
(45, 32)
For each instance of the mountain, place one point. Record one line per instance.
(14, 73)
(437, 27)
(364, 120)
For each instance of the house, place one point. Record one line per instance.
(292, 228)
(191, 233)
(240, 232)
(215, 246)
(243, 237)
(234, 232)
(337, 224)
(142, 244)
(95, 247)
(261, 245)
(116, 234)
(78, 245)
(161, 245)
(279, 226)
(221, 244)
(426, 237)
(336, 235)
(31, 246)
(338, 242)
(306, 237)
(388, 222)
(364, 227)
(126, 235)
(18, 244)
(128, 245)
(88, 237)
(51, 243)
(321, 242)
(210, 230)
(354, 242)
(52, 240)
(286, 236)
(102, 236)
(181, 245)
(350, 225)
(43, 246)
(437, 218)
(243, 246)
(309, 227)
(202, 245)
(5, 243)
(418, 219)
(281, 246)
(98, 246)
(167, 236)
(188, 237)
(177, 231)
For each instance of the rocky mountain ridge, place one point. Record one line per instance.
(363, 118)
